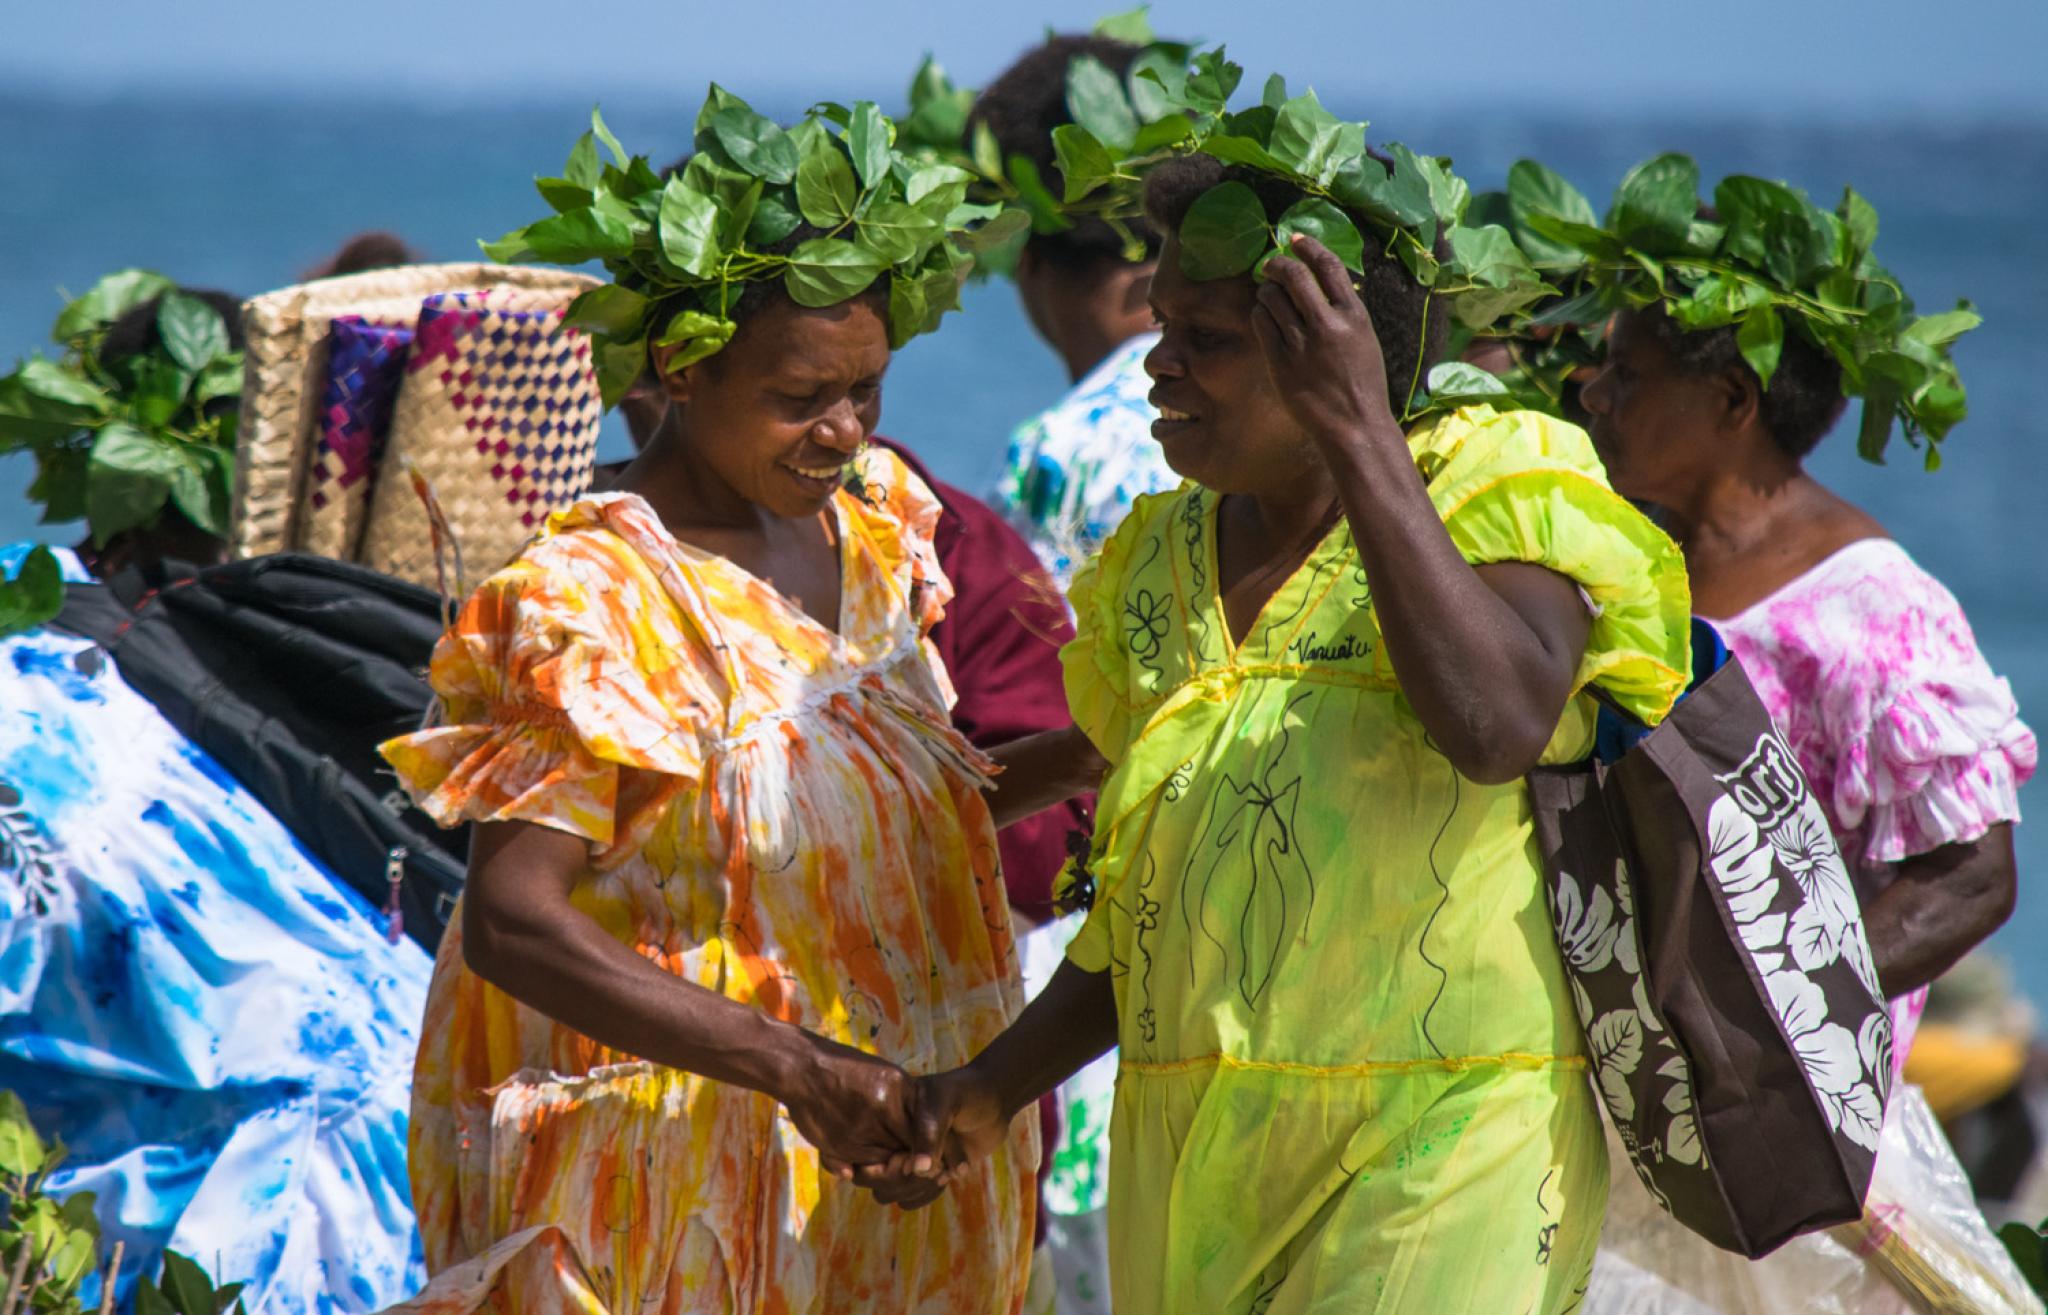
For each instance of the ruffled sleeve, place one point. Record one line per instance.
(1518, 486)
(550, 709)
(1095, 664)
(899, 514)
(1929, 746)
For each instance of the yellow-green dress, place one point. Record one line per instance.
(1352, 1078)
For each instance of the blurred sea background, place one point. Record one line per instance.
(149, 154)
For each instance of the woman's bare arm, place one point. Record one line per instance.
(521, 933)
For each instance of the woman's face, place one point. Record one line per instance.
(1221, 422)
(778, 413)
(1656, 427)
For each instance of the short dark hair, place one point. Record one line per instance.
(366, 251)
(1022, 107)
(1805, 398)
(135, 332)
(1412, 323)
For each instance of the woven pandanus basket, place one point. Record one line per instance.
(278, 450)
(499, 412)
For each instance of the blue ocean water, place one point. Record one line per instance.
(243, 194)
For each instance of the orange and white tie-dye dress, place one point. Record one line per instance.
(775, 811)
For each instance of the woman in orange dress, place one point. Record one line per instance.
(732, 867)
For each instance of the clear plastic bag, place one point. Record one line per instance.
(1922, 1247)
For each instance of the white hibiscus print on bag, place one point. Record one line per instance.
(1829, 925)
(1585, 928)
(1617, 1045)
(1745, 866)
(1829, 1054)
(1682, 1137)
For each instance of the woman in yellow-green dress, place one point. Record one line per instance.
(1352, 1078)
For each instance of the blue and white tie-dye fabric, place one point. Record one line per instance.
(216, 1026)
(1073, 471)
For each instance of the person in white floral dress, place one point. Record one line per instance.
(1913, 749)
(1073, 470)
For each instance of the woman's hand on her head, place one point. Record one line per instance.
(1321, 348)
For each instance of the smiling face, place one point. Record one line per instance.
(779, 412)
(1221, 422)
(1660, 430)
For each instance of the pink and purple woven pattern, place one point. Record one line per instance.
(365, 364)
(520, 381)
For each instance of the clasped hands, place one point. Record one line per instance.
(904, 1138)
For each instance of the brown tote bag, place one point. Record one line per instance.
(1717, 959)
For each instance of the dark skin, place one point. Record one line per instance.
(1751, 520)
(730, 471)
(1084, 313)
(1276, 396)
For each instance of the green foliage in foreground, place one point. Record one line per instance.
(116, 441)
(680, 249)
(48, 1249)
(1768, 261)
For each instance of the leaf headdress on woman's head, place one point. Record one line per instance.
(1115, 104)
(120, 430)
(1175, 103)
(826, 207)
(1764, 259)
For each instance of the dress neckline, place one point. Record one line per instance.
(1212, 561)
(702, 558)
(1811, 578)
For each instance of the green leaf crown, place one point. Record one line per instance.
(681, 249)
(1175, 103)
(116, 440)
(1131, 108)
(1765, 258)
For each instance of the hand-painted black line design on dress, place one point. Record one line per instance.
(1436, 874)
(1253, 823)
(1145, 615)
(1193, 522)
(1145, 922)
(1546, 1236)
(1310, 592)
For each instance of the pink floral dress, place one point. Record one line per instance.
(1907, 738)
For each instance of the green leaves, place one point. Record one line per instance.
(1761, 338)
(115, 439)
(21, 1148)
(826, 189)
(1774, 228)
(1313, 142)
(688, 229)
(128, 480)
(108, 300)
(1224, 233)
(33, 596)
(1534, 189)
(1325, 223)
(897, 232)
(1655, 204)
(755, 144)
(1096, 99)
(1490, 275)
(191, 330)
(867, 140)
(826, 271)
(1084, 162)
(610, 310)
(1134, 26)
(1772, 263)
